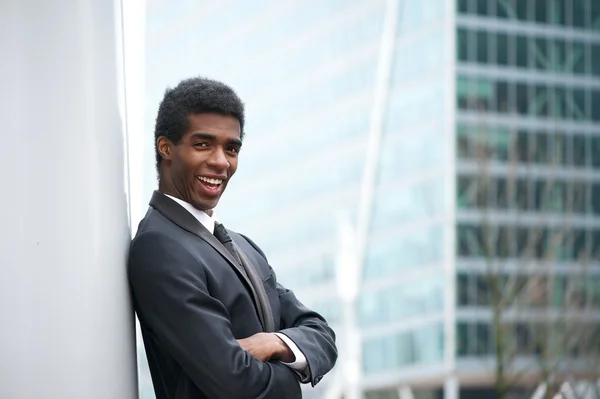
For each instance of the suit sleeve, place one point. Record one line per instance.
(173, 300)
(308, 329)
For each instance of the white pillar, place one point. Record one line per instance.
(451, 387)
(348, 282)
(67, 326)
(404, 392)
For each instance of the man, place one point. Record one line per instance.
(215, 322)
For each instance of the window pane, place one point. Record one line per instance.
(595, 48)
(595, 14)
(541, 148)
(520, 7)
(579, 13)
(465, 187)
(521, 146)
(579, 108)
(462, 44)
(462, 289)
(522, 99)
(596, 106)
(472, 45)
(462, 338)
(483, 339)
(560, 55)
(428, 343)
(400, 205)
(506, 9)
(482, 47)
(522, 52)
(540, 11)
(595, 151)
(539, 106)
(405, 349)
(562, 149)
(540, 53)
(578, 58)
(580, 197)
(482, 289)
(579, 247)
(558, 95)
(579, 158)
(502, 50)
(596, 245)
(397, 253)
(502, 99)
(484, 8)
(596, 199)
(470, 240)
(556, 12)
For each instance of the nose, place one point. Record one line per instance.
(218, 160)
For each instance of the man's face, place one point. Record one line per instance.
(198, 168)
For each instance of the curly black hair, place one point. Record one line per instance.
(194, 96)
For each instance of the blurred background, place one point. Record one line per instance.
(424, 173)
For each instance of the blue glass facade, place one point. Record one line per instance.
(528, 113)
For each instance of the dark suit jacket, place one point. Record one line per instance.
(193, 303)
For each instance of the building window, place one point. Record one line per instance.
(463, 289)
(396, 253)
(485, 95)
(473, 339)
(402, 204)
(483, 39)
(463, 46)
(595, 202)
(595, 59)
(573, 13)
(401, 301)
(421, 346)
(469, 240)
(564, 243)
(595, 95)
(525, 51)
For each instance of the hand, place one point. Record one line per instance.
(267, 346)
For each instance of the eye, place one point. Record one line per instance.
(200, 144)
(233, 149)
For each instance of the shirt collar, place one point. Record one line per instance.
(203, 217)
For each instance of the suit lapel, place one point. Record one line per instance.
(182, 218)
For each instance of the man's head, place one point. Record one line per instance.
(198, 135)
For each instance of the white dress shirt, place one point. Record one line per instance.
(208, 221)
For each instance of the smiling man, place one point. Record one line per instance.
(215, 322)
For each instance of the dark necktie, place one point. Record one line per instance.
(261, 301)
(223, 236)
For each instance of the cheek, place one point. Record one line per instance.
(233, 166)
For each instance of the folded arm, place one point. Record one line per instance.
(174, 302)
(307, 329)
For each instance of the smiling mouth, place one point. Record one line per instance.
(210, 182)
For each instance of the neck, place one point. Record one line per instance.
(168, 190)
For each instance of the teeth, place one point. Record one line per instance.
(209, 180)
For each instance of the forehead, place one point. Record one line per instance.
(213, 123)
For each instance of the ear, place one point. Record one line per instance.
(164, 146)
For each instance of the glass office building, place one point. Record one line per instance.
(528, 101)
(311, 75)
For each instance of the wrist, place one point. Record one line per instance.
(283, 352)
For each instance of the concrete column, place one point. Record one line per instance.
(451, 387)
(67, 326)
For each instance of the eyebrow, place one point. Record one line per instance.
(212, 137)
